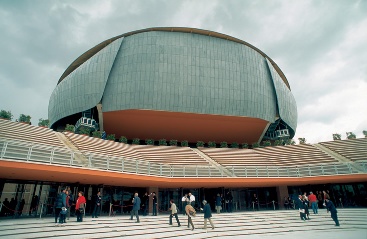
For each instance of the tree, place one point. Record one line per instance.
(212, 144)
(6, 115)
(97, 134)
(173, 142)
(337, 136)
(234, 145)
(69, 127)
(123, 139)
(149, 141)
(200, 144)
(163, 142)
(84, 130)
(266, 143)
(43, 122)
(278, 142)
(302, 140)
(136, 141)
(245, 145)
(255, 145)
(24, 118)
(111, 137)
(290, 142)
(184, 143)
(223, 144)
(350, 135)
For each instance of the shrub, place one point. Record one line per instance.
(290, 142)
(69, 127)
(84, 130)
(136, 141)
(163, 142)
(255, 145)
(337, 136)
(245, 145)
(278, 142)
(24, 118)
(111, 137)
(351, 135)
(97, 134)
(235, 145)
(173, 142)
(364, 133)
(6, 115)
(184, 143)
(43, 122)
(200, 144)
(123, 139)
(266, 143)
(211, 144)
(149, 141)
(302, 140)
(223, 144)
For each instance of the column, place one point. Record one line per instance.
(282, 191)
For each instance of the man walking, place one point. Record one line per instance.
(207, 214)
(173, 213)
(136, 207)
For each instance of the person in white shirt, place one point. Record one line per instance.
(192, 199)
(184, 202)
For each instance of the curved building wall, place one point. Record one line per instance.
(184, 72)
(84, 87)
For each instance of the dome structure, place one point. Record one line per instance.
(177, 83)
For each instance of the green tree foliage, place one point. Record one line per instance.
(351, 135)
(255, 145)
(70, 128)
(173, 142)
(136, 141)
(24, 118)
(212, 144)
(84, 130)
(184, 143)
(97, 134)
(163, 142)
(278, 142)
(123, 139)
(149, 141)
(235, 145)
(200, 144)
(111, 137)
(266, 143)
(223, 144)
(44, 122)
(6, 115)
(290, 142)
(337, 136)
(245, 145)
(302, 140)
(365, 133)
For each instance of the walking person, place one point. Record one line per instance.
(313, 201)
(334, 213)
(301, 208)
(136, 207)
(173, 213)
(60, 203)
(218, 203)
(190, 211)
(97, 205)
(207, 214)
(80, 207)
(305, 203)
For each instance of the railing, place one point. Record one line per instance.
(29, 152)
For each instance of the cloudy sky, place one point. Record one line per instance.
(320, 45)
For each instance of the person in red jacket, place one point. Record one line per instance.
(313, 200)
(80, 207)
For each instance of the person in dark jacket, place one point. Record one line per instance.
(136, 207)
(144, 203)
(334, 213)
(301, 208)
(218, 203)
(155, 204)
(60, 204)
(97, 205)
(207, 214)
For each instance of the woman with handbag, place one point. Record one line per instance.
(80, 207)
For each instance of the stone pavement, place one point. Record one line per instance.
(280, 224)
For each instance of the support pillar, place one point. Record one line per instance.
(282, 191)
(100, 116)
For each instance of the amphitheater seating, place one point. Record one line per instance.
(29, 133)
(295, 155)
(352, 149)
(237, 157)
(156, 154)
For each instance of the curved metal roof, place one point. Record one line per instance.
(88, 54)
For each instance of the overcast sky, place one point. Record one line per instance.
(321, 46)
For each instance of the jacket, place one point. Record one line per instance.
(173, 208)
(331, 207)
(60, 200)
(190, 211)
(80, 200)
(136, 203)
(207, 211)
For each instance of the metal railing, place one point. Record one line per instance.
(29, 152)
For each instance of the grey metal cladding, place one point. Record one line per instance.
(84, 87)
(186, 72)
(286, 101)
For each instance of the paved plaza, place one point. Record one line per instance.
(264, 224)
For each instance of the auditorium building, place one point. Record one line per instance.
(179, 84)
